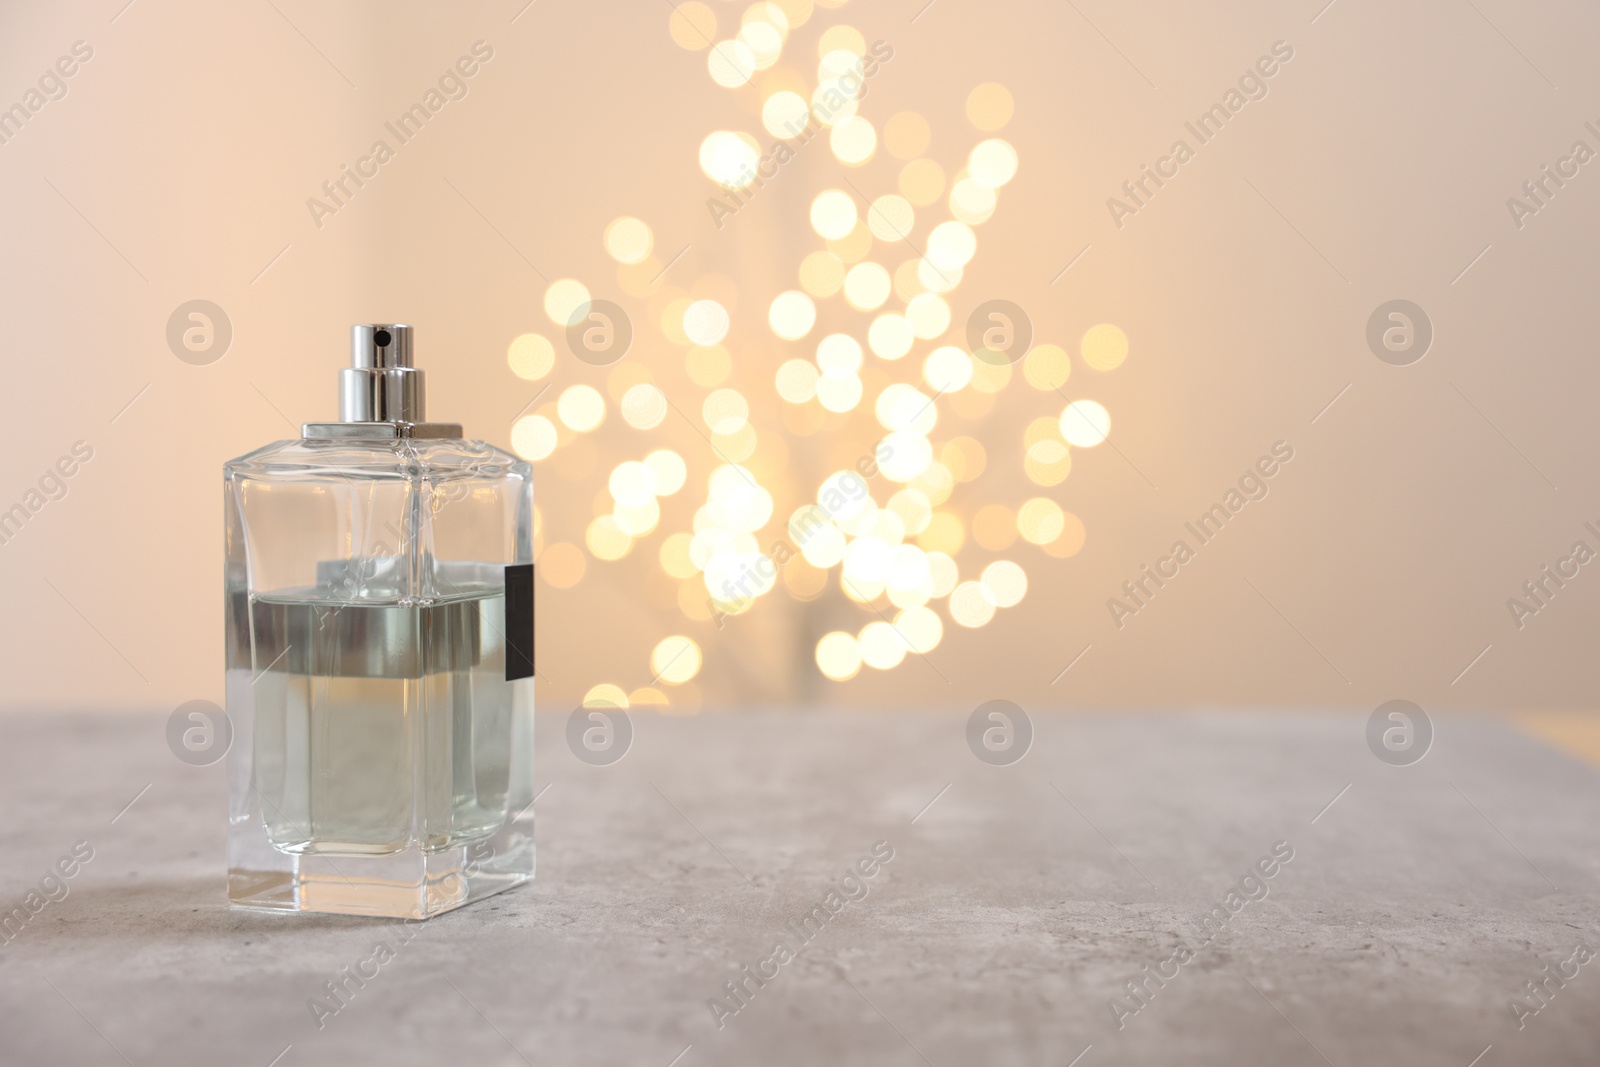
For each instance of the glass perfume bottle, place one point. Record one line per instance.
(379, 583)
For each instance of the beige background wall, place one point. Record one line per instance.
(1378, 167)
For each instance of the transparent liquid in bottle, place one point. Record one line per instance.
(366, 710)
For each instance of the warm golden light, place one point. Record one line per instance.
(1047, 367)
(725, 410)
(822, 273)
(785, 114)
(882, 648)
(833, 214)
(929, 315)
(533, 437)
(648, 697)
(1043, 428)
(891, 218)
(913, 508)
(908, 280)
(839, 656)
(839, 392)
(942, 574)
(606, 540)
(908, 455)
(971, 201)
(944, 535)
(891, 532)
(708, 365)
(797, 381)
(633, 484)
(798, 12)
(605, 695)
(836, 64)
(581, 408)
(905, 407)
(1047, 462)
(1104, 347)
(564, 300)
(791, 315)
(992, 162)
(825, 547)
(841, 39)
(990, 377)
(669, 469)
(937, 279)
(951, 245)
(705, 322)
(853, 141)
(804, 581)
(644, 406)
(531, 356)
(637, 520)
(693, 25)
(1071, 540)
(764, 40)
(838, 354)
(832, 102)
(965, 456)
(675, 660)
(890, 336)
(989, 106)
(853, 246)
(730, 159)
(1085, 423)
(769, 13)
(675, 556)
(731, 63)
(1005, 583)
(866, 286)
(1040, 521)
(970, 605)
(628, 240)
(935, 482)
(921, 628)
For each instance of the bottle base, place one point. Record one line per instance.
(408, 885)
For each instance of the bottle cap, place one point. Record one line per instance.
(381, 393)
(381, 384)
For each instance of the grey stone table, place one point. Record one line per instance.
(1018, 904)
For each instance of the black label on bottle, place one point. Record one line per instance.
(519, 621)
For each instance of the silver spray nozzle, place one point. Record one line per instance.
(381, 384)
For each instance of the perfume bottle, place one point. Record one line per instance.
(379, 593)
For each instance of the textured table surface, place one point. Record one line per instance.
(1017, 905)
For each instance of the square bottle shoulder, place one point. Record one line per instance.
(405, 459)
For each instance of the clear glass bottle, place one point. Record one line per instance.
(379, 584)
